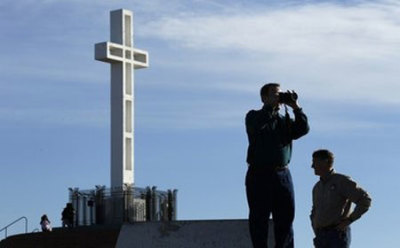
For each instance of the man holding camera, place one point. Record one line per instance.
(269, 184)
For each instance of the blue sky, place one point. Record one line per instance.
(208, 60)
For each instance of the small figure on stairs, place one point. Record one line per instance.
(45, 224)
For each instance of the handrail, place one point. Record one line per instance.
(15, 221)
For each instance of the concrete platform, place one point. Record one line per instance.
(177, 234)
(79, 237)
(187, 234)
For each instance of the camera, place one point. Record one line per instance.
(287, 97)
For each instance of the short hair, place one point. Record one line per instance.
(324, 154)
(265, 89)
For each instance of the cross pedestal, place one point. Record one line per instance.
(124, 58)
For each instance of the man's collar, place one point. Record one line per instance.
(328, 175)
(268, 108)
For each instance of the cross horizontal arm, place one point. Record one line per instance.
(114, 53)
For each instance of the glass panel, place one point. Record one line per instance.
(128, 154)
(128, 36)
(128, 79)
(128, 116)
(116, 51)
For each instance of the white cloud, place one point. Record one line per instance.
(338, 125)
(329, 51)
(331, 29)
(53, 116)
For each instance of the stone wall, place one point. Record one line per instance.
(187, 234)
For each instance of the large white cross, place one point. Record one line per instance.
(123, 59)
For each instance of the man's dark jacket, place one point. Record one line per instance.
(270, 136)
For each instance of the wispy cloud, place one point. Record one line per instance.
(224, 113)
(312, 29)
(339, 125)
(51, 116)
(327, 50)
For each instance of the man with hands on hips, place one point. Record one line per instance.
(333, 195)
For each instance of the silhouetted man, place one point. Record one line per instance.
(269, 184)
(67, 216)
(332, 197)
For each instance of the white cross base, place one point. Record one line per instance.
(123, 59)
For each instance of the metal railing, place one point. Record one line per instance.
(12, 223)
(126, 204)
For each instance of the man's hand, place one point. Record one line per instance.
(343, 224)
(293, 104)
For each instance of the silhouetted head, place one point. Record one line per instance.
(270, 94)
(322, 162)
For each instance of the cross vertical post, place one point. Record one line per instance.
(124, 59)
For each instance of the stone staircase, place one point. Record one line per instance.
(79, 237)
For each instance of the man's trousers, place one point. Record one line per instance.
(332, 238)
(270, 191)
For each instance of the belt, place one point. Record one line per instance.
(269, 167)
(327, 228)
(281, 168)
